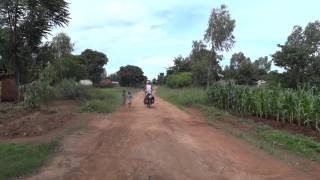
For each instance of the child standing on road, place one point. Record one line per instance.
(129, 98)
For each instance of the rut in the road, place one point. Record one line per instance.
(163, 142)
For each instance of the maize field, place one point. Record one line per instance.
(301, 106)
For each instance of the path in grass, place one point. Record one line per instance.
(161, 143)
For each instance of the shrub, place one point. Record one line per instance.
(179, 80)
(70, 89)
(38, 92)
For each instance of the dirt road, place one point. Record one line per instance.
(162, 143)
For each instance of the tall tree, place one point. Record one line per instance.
(240, 69)
(160, 79)
(200, 60)
(237, 59)
(245, 73)
(28, 21)
(61, 45)
(181, 64)
(262, 66)
(131, 76)
(300, 54)
(219, 35)
(95, 62)
(4, 48)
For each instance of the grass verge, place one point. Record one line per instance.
(183, 97)
(273, 141)
(17, 159)
(105, 100)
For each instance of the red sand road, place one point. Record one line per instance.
(161, 143)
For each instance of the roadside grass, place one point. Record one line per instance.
(273, 141)
(183, 97)
(17, 159)
(23, 158)
(295, 143)
(105, 100)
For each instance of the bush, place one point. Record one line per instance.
(179, 80)
(70, 89)
(38, 92)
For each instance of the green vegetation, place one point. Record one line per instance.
(265, 137)
(183, 97)
(179, 80)
(300, 107)
(70, 89)
(131, 76)
(273, 141)
(41, 91)
(104, 100)
(16, 159)
(25, 24)
(294, 143)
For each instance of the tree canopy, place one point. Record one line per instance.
(95, 62)
(26, 23)
(131, 76)
(220, 36)
(300, 54)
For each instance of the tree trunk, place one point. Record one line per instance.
(13, 56)
(17, 80)
(208, 77)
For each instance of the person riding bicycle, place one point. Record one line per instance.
(148, 91)
(148, 88)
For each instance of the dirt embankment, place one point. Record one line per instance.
(24, 124)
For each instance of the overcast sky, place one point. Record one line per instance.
(150, 33)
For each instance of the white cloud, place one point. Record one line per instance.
(150, 33)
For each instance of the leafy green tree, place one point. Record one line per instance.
(161, 79)
(45, 55)
(200, 59)
(61, 45)
(179, 80)
(219, 35)
(262, 66)
(27, 22)
(113, 77)
(245, 73)
(131, 76)
(180, 65)
(4, 48)
(300, 54)
(232, 71)
(95, 62)
(73, 68)
(243, 70)
(154, 81)
(237, 59)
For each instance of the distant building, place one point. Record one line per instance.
(86, 82)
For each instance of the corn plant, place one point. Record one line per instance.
(301, 107)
